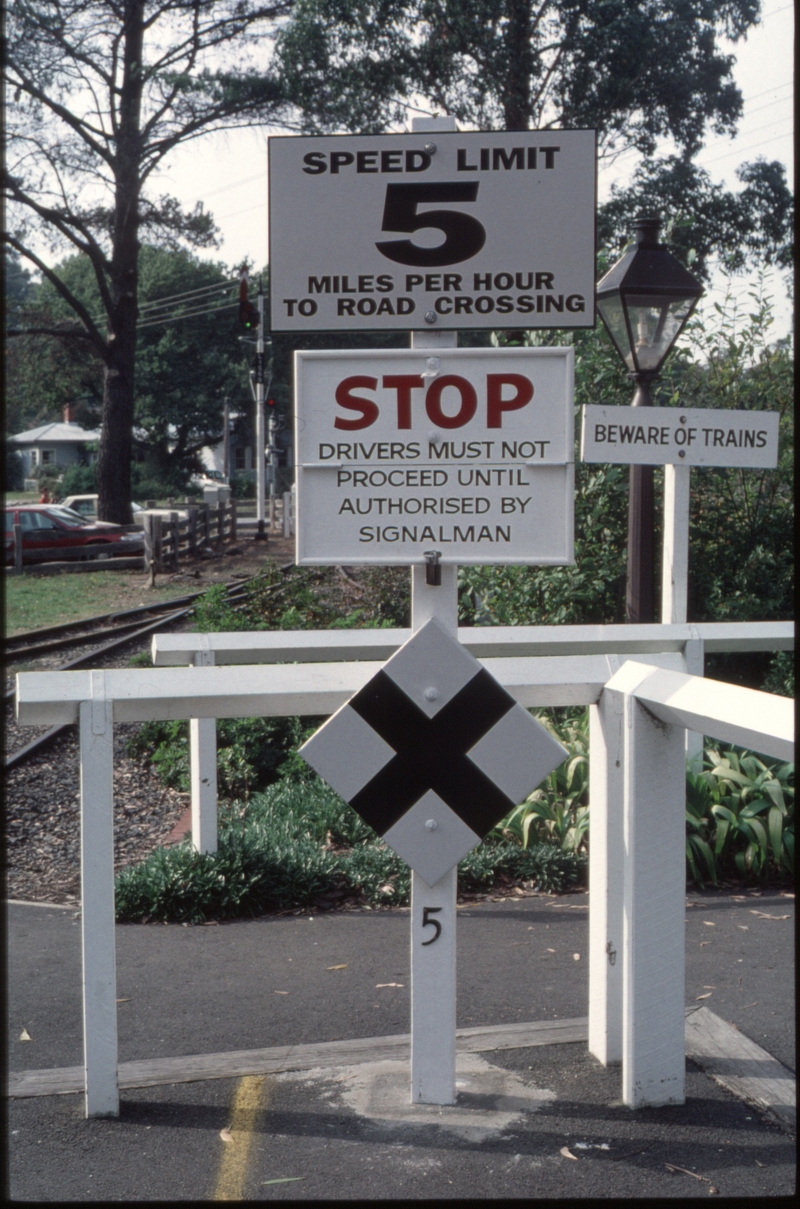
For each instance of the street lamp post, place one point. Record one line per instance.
(644, 301)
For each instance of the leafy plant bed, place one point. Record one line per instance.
(300, 845)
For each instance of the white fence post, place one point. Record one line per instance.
(97, 903)
(203, 768)
(433, 913)
(675, 562)
(694, 654)
(606, 742)
(653, 945)
(433, 989)
(433, 959)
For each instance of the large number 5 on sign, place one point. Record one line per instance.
(464, 235)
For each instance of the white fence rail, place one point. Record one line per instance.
(637, 875)
(692, 641)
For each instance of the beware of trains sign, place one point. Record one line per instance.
(439, 230)
(681, 436)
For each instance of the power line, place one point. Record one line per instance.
(217, 287)
(203, 289)
(775, 87)
(199, 314)
(741, 150)
(248, 210)
(181, 308)
(769, 105)
(149, 310)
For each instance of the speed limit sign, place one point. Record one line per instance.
(443, 230)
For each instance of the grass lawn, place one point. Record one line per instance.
(34, 601)
(22, 497)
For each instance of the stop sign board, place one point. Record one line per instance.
(466, 451)
(432, 752)
(444, 230)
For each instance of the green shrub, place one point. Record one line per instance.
(242, 487)
(212, 612)
(250, 751)
(78, 480)
(740, 818)
(297, 845)
(253, 752)
(780, 678)
(739, 809)
(557, 812)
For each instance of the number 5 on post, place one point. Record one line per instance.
(434, 923)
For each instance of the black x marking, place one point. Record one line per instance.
(431, 752)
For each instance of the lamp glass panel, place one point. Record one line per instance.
(612, 313)
(655, 322)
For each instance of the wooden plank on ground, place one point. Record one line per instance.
(740, 1065)
(192, 1068)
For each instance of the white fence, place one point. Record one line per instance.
(204, 650)
(639, 712)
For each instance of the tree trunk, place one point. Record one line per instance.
(116, 434)
(517, 91)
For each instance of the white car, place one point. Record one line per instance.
(210, 478)
(86, 506)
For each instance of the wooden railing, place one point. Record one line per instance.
(78, 558)
(172, 535)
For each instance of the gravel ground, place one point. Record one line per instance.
(42, 801)
(42, 795)
(43, 818)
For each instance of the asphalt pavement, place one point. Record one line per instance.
(530, 1123)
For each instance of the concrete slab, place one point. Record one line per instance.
(489, 1099)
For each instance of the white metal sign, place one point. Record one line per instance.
(443, 229)
(468, 452)
(432, 752)
(686, 437)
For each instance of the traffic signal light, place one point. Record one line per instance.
(248, 314)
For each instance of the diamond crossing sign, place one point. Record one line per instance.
(432, 752)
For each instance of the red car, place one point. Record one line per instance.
(49, 529)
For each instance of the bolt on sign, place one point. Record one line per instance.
(444, 230)
(432, 752)
(683, 436)
(465, 451)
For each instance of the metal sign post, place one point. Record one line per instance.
(675, 559)
(433, 908)
(260, 442)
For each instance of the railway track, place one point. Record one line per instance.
(113, 631)
(112, 626)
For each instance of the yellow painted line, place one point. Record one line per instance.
(252, 1096)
